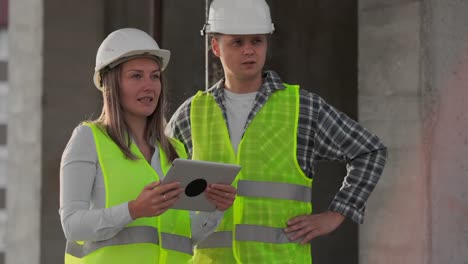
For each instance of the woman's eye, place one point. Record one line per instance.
(136, 76)
(155, 76)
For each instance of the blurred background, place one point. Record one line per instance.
(399, 67)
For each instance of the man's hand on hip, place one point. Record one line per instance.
(308, 227)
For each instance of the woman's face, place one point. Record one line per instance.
(140, 87)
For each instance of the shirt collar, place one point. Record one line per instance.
(271, 83)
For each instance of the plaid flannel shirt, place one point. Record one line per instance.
(324, 133)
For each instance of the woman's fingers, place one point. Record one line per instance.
(163, 188)
(223, 191)
(152, 185)
(222, 195)
(154, 199)
(224, 188)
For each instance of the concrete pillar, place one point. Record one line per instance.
(390, 103)
(25, 70)
(412, 78)
(445, 76)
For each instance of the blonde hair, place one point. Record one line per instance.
(111, 118)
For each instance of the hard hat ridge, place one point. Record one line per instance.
(124, 44)
(239, 17)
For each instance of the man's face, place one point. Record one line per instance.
(242, 56)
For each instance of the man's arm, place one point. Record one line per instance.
(179, 126)
(337, 137)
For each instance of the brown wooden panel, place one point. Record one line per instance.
(2, 200)
(3, 70)
(3, 134)
(157, 20)
(3, 13)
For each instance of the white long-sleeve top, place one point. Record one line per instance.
(82, 195)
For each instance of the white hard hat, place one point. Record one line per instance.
(126, 43)
(239, 17)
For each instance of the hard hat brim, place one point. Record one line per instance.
(233, 30)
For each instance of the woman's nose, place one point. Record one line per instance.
(148, 83)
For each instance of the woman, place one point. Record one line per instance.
(113, 207)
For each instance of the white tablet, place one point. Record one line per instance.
(194, 177)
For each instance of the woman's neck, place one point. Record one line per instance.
(137, 128)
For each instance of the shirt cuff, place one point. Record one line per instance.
(121, 214)
(348, 211)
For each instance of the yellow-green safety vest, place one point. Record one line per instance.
(271, 187)
(148, 240)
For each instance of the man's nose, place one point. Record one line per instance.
(248, 50)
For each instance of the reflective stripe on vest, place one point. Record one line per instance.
(246, 233)
(177, 243)
(218, 239)
(261, 234)
(133, 235)
(129, 235)
(274, 190)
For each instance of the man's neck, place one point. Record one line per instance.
(243, 86)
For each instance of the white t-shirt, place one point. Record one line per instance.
(238, 107)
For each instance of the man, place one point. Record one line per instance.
(276, 132)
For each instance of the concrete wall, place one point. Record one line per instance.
(390, 103)
(412, 85)
(446, 74)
